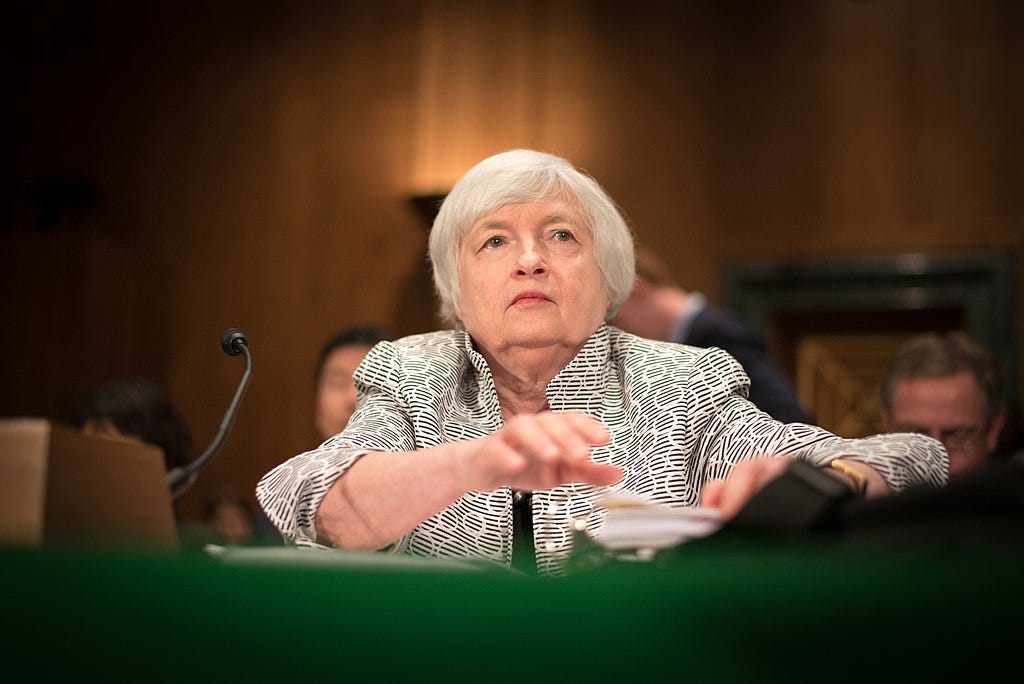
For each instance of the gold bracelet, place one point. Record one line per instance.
(860, 481)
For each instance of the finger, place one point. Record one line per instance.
(774, 468)
(571, 432)
(593, 431)
(738, 488)
(527, 435)
(746, 479)
(574, 432)
(549, 437)
(588, 472)
(568, 472)
(711, 494)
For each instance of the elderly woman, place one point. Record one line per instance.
(533, 392)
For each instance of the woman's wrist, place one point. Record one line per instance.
(862, 479)
(854, 479)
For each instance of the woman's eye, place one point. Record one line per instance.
(563, 235)
(493, 242)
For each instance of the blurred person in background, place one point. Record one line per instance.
(136, 408)
(658, 308)
(946, 387)
(335, 391)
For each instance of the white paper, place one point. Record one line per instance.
(632, 523)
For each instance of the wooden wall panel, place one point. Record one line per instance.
(254, 166)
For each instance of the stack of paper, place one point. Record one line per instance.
(635, 524)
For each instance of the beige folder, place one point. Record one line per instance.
(59, 485)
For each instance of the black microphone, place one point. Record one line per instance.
(234, 342)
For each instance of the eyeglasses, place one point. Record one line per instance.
(960, 440)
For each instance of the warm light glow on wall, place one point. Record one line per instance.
(488, 73)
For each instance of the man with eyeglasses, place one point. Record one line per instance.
(946, 387)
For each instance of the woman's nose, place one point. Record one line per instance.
(530, 261)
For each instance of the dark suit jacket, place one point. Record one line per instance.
(770, 390)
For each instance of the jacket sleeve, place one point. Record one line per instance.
(732, 429)
(291, 493)
(770, 389)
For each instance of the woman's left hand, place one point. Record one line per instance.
(746, 479)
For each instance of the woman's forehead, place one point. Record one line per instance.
(558, 208)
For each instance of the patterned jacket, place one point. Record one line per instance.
(678, 416)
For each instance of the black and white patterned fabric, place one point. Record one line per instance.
(678, 416)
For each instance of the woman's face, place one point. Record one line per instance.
(529, 278)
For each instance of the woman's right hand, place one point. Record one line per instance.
(383, 495)
(537, 451)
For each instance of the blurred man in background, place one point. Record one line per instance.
(946, 387)
(335, 392)
(659, 309)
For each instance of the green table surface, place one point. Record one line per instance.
(721, 609)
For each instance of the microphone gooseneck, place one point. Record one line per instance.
(234, 342)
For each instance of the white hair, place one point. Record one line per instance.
(519, 176)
